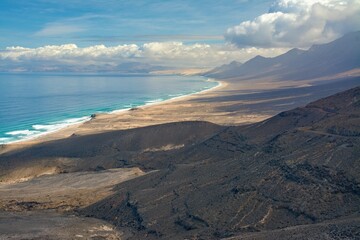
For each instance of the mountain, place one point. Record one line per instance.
(225, 67)
(136, 67)
(127, 67)
(295, 174)
(300, 167)
(335, 57)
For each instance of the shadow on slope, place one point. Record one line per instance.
(300, 167)
(104, 151)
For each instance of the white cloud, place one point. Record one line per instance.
(298, 23)
(68, 25)
(57, 29)
(70, 57)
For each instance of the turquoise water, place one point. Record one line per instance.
(34, 104)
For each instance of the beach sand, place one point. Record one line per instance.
(232, 102)
(183, 108)
(42, 186)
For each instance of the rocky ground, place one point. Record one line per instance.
(295, 174)
(54, 226)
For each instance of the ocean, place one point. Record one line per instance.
(32, 104)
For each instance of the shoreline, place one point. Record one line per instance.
(221, 84)
(175, 98)
(230, 103)
(42, 137)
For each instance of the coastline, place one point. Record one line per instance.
(232, 102)
(73, 128)
(221, 84)
(68, 123)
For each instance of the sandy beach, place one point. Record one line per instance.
(184, 108)
(218, 120)
(233, 102)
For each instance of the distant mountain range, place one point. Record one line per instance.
(127, 67)
(295, 175)
(136, 67)
(335, 57)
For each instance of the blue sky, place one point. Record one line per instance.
(33, 23)
(100, 35)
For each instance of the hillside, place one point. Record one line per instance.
(204, 181)
(300, 167)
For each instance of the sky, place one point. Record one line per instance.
(51, 35)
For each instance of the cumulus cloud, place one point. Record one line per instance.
(298, 23)
(70, 57)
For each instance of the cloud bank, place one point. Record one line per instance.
(298, 23)
(70, 57)
(289, 23)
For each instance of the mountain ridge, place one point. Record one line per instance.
(335, 57)
(253, 178)
(298, 168)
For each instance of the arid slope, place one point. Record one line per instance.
(297, 170)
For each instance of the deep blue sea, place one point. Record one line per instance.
(33, 104)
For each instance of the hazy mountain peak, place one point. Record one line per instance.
(332, 58)
(233, 63)
(295, 51)
(352, 35)
(259, 57)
